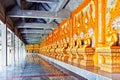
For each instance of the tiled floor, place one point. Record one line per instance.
(89, 73)
(35, 68)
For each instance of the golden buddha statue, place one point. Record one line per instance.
(69, 47)
(68, 51)
(53, 50)
(58, 45)
(61, 45)
(80, 41)
(48, 47)
(111, 38)
(74, 44)
(63, 50)
(87, 41)
(111, 61)
(65, 45)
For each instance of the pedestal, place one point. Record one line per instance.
(74, 56)
(87, 54)
(111, 59)
(68, 56)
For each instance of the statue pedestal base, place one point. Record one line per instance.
(70, 58)
(87, 63)
(87, 54)
(111, 57)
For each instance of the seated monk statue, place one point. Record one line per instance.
(79, 42)
(58, 46)
(69, 47)
(111, 38)
(87, 41)
(62, 46)
(48, 48)
(72, 44)
(54, 46)
(75, 44)
(65, 45)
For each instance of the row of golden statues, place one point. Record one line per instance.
(89, 38)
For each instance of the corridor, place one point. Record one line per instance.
(59, 39)
(34, 68)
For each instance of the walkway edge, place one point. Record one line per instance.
(84, 73)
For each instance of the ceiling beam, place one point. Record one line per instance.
(43, 1)
(31, 42)
(63, 14)
(32, 36)
(36, 37)
(36, 31)
(36, 25)
(59, 7)
(31, 39)
(64, 3)
(28, 39)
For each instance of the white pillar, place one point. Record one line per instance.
(4, 44)
(20, 58)
(16, 50)
(13, 48)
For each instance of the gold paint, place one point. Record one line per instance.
(88, 48)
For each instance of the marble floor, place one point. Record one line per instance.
(34, 68)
